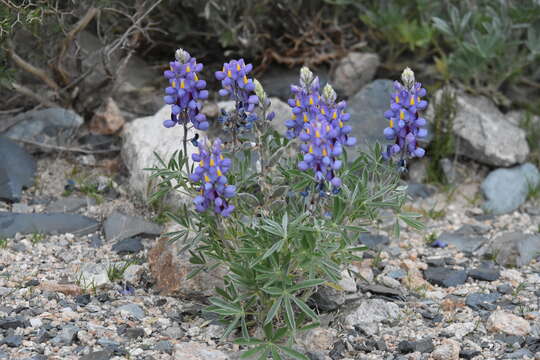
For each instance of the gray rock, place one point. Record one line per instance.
(12, 340)
(69, 204)
(174, 332)
(21, 208)
(422, 346)
(12, 223)
(119, 227)
(354, 71)
(17, 170)
(3, 354)
(66, 336)
(505, 289)
(464, 241)
(133, 309)
(445, 277)
(506, 189)
(197, 351)
(371, 312)
(277, 81)
(142, 138)
(484, 134)
(367, 108)
(374, 242)
(13, 323)
(165, 346)
(451, 171)
(327, 299)
(98, 355)
(419, 190)
(479, 301)
(45, 125)
(128, 246)
(520, 354)
(514, 248)
(134, 333)
(486, 272)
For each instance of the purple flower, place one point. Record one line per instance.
(405, 123)
(241, 89)
(438, 243)
(210, 173)
(323, 130)
(185, 92)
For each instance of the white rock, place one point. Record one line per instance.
(460, 329)
(36, 322)
(503, 321)
(133, 273)
(146, 135)
(371, 312)
(318, 339)
(347, 282)
(93, 275)
(197, 351)
(448, 350)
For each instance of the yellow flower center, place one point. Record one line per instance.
(173, 83)
(397, 99)
(307, 131)
(188, 69)
(238, 68)
(311, 100)
(201, 164)
(212, 162)
(229, 73)
(206, 178)
(310, 149)
(219, 172)
(182, 85)
(306, 118)
(245, 79)
(391, 123)
(317, 134)
(340, 124)
(401, 115)
(196, 77)
(297, 102)
(324, 152)
(327, 128)
(322, 111)
(221, 157)
(412, 100)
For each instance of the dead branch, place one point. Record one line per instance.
(40, 74)
(78, 27)
(67, 149)
(33, 94)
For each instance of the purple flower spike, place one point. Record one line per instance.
(240, 88)
(405, 124)
(210, 173)
(185, 91)
(438, 243)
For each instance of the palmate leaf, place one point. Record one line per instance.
(305, 284)
(305, 308)
(291, 320)
(273, 310)
(293, 353)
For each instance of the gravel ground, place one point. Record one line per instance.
(60, 298)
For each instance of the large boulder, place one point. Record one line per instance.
(367, 108)
(506, 189)
(483, 132)
(143, 139)
(354, 71)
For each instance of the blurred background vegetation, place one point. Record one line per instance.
(488, 47)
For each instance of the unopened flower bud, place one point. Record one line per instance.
(329, 94)
(407, 78)
(306, 77)
(182, 56)
(259, 91)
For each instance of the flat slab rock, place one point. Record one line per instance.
(17, 170)
(58, 223)
(197, 351)
(119, 226)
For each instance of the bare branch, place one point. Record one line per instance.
(67, 149)
(40, 74)
(28, 92)
(78, 27)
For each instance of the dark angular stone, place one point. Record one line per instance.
(133, 333)
(12, 340)
(128, 246)
(445, 277)
(505, 288)
(374, 242)
(485, 273)
(118, 227)
(13, 323)
(83, 299)
(479, 301)
(98, 355)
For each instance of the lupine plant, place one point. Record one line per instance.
(290, 226)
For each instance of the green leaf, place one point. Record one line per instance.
(306, 284)
(290, 313)
(276, 247)
(293, 353)
(231, 327)
(248, 341)
(272, 290)
(275, 354)
(232, 308)
(251, 352)
(273, 310)
(305, 308)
